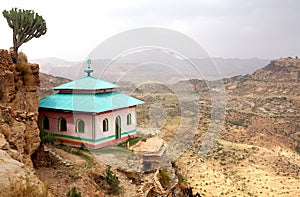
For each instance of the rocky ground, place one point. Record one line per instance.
(257, 152)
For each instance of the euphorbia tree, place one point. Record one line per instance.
(26, 24)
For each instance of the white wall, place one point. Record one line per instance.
(111, 116)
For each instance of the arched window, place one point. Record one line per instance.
(79, 126)
(129, 119)
(62, 124)
(105, 124)
(45, 123)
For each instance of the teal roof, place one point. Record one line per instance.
(86, 83)
(89, 102)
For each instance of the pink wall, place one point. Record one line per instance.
(111, 120)
(71, 119)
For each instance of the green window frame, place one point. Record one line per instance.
(80, 126)
(129, 119)
(62, 124)
(105, 126)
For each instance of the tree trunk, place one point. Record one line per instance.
(15, 52)
(15, 55)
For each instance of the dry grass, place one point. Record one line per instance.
(21, 189)
(22, 57)
(26, 71)
(233, 169)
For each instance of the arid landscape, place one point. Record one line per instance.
(257, 153)
(149, 98)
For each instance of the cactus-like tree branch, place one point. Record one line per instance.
(26, 24)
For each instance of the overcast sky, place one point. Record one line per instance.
(225, 28)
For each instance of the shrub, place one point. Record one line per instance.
(22, 57)
(26, 71)
(182, 180)
(73, 192)
(164, 178)
(47, 137)
(113, 181)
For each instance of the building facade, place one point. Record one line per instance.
(89, 111)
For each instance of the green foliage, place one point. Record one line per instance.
(113, 181)
(132, 141)
(47, 137)
(79, 152)
(26, 24)
(73, 192)
(182, 179)
(164, 178)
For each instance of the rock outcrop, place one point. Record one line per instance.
(17, 179)
(19, 102)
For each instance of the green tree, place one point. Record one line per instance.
(26, 24)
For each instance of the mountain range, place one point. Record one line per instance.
(165, 68)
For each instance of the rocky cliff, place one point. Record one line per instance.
(19, 133)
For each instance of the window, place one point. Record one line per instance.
(79, 126)
(105, 124)
(45, 123)
(129, 119)
(62, 124)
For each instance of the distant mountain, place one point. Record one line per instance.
(153, 67)
(47, 65)
(279, 77)
(48, 82)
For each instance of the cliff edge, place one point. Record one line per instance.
(19, 133)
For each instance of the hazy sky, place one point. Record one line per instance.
(225, 28)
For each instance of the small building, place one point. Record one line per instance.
(89, 111)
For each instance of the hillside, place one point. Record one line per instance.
(267, 103)
(258, 151)
(48, 82)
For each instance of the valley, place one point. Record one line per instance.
(257, 152)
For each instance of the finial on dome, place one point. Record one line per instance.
(89, 70)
